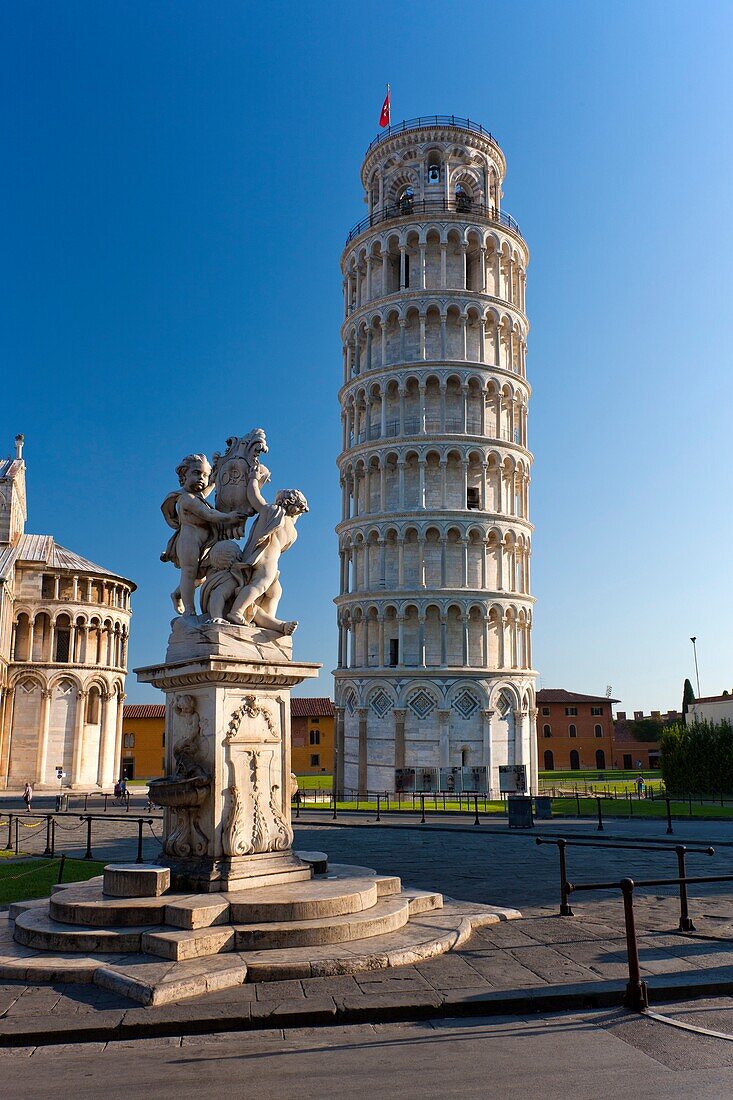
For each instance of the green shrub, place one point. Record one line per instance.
(698, 759)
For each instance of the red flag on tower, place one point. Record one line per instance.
(384, 118)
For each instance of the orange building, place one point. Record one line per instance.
(143, 740)
(312, 736)
(143, 734)
(574, 731)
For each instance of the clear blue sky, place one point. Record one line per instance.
(178, 181)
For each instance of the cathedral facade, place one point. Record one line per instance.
(435, 688)
(64, 628)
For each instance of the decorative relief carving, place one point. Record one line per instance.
(251, 708)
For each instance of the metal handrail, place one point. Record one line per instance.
(432, 207)
(431, 120)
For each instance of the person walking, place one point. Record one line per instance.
(27, 797)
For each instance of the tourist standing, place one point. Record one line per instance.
(27, 797)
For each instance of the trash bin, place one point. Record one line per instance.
(543, 807)
(519, 810)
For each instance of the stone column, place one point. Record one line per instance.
(380, 638)
(534, 774)
(107, 764)
(401, 640)
(403, 325)
(399, 737)
(363, 748)
(443, 563)
(339, 754)
(421, 489)
(403, 285)
(400, 562)
(78, 750)
(421, 641)
(401, 484)
(443, 482)
(382, 543)
(443, 337)
(486, 717)
(42, 754)
(422, 267)
(444, 717)
(6, 727)
(443, 265)
(383, 486)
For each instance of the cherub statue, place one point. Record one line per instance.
(273, 533)
(188, 751)
(224, 577)
(197, 527)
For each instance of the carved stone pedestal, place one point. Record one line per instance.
(226, 792)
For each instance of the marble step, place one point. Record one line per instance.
(37, 929)
(331, 895)
(384, 916)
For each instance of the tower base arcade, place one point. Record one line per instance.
(453, 734)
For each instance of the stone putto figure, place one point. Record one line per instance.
(239, 585)
(197, 526)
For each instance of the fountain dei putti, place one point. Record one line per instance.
(230, 900)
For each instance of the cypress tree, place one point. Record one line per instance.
(688, 696)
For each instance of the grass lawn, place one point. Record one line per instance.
(315, 782)
(21, 880)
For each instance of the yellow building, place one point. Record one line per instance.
(312, 740)
(143, 736)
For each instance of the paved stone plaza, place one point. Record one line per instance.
(536, 964)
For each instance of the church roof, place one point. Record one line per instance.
(560, 695)
(44, 550)
(9, 467)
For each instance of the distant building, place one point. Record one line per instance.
(312, 732)
(711, 708)
(143, 738)
(634, 742)
(143, 741)
(574, 731)
(64, 627)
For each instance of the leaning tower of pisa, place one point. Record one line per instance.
(434, 685)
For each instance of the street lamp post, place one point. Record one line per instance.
(697, 671)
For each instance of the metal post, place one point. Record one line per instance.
(422, 803)
(86, 799)
(378, 804)
(61, 867)
(577, 802)
(686, 924)
(88, 853)
(334, 804)
(475, 806)
(53, 836)
(631, 805)
(16, 836)
(47, 850)
(9, 845)
(637, 997)
(600, 816)
(689, 802)
(565, 910)
(140, 841)
(669, 816)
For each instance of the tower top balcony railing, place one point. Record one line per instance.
(429, 208)
(431, 120)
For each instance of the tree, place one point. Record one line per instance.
(688, 696)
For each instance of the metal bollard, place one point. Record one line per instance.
(637, 996)
(475, 806)
(577, 804)
(88, 853)
(16, 836)
(334, 805)
(600, 817)
(565, 910)
(53, 836)
(669, 816)
(62, 862)
(685, 924)
(422, 803)
(378, 804)
(140, 824)
(9, 845)
(47, 849)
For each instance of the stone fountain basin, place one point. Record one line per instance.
(179, 793)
